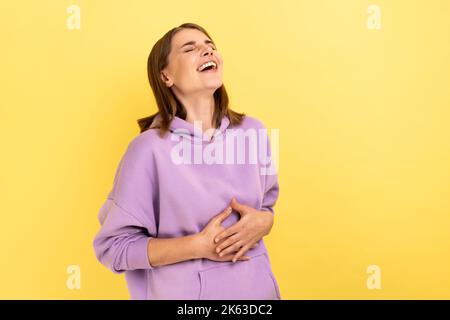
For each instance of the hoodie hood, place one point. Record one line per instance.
(187, 130)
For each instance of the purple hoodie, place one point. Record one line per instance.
(163, 188)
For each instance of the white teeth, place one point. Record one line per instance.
(207, 64)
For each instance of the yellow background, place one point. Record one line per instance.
(364, 136)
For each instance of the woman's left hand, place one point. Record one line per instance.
(245, 233)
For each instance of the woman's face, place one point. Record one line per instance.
(191, 48)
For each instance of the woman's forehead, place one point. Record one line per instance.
(186, 35)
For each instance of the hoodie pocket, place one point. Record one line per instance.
(244, 280)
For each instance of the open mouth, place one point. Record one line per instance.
(207, 67)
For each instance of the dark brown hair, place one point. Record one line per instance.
(168, 104)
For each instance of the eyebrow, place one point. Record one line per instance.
(193, 42)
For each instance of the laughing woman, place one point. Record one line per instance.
(187, 213)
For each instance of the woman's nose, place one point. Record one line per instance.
(208, 51)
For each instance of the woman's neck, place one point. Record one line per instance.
(200, 109)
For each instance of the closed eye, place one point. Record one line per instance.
(214, 48)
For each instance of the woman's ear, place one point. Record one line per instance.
(165, 79)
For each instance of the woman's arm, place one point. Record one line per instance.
(200, 245)
(171, 250)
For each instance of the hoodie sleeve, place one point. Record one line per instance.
(270, 176)
(127, 216)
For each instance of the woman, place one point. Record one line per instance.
(180, 221)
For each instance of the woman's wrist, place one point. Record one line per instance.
(267, 222)
(198, 245)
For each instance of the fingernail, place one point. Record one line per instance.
(228, 209)
(234, 260)
(220, 254)
(217, 250)
(215, 240)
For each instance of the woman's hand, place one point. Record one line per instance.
(245, 233)
(206, 245)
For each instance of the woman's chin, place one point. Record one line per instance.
(213, 84)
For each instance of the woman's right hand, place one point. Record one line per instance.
(207, 247)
